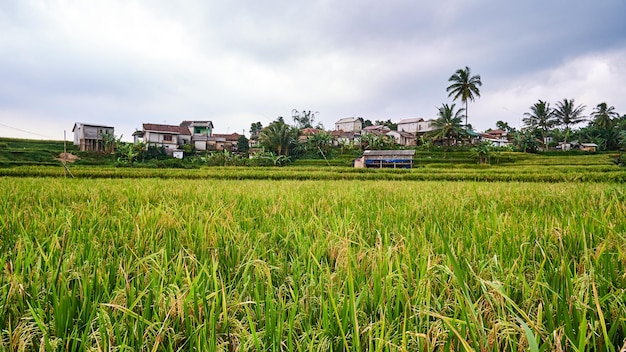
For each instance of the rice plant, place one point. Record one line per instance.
(311, 265)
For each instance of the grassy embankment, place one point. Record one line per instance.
(37, 158)
(173, 264)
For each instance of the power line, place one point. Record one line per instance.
(21, 130)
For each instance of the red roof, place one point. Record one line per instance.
(229, 137)
(166, 129)
(310, 131)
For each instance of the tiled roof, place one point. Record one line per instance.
(166, 129)
(188, 123)
(90, 125)
(310, 131)
(228, 137)
(347, 119)
(377, 128)
(403, 134)
(342, 134)
(411, 120)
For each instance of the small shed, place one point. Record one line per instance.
(386, 158)
(589, 147)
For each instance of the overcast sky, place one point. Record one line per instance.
(126, 62)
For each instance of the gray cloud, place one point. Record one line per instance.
(124, 63)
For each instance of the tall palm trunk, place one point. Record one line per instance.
(466, 114)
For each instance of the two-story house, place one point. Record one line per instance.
(89, 137)
(349, 124)
(170, 137)
(417, 126)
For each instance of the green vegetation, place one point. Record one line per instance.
(465, 87)
(15, 152)
(153, 264)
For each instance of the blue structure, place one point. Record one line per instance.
(386, 158)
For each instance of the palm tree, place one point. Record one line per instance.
(464, 86)
(541, 117)
(603, 116)
(278, 137)
(448, 125)
(566, 114)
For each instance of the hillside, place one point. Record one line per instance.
(16, 152)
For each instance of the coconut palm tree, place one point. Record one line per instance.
(567, 114)
(448, 125)
(541, 117)
(603, 116)
(278, 137)
(464, 87)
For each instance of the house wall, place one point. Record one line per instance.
(89, 138)
(396, 136)
(200, 145)
(352, 126)
(152, 137)
(424, 126)
(411, 127)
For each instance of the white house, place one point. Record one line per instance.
(409, 125)
(349, 124)
(416, 125)
(376, 129)
(89, 136)
(403, 138)
(425, 126)
(168, 136)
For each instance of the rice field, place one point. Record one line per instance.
(175, 264)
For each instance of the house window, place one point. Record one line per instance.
(167, 137)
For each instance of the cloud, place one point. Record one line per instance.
(126, 62)
(589, 80)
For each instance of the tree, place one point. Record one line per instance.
(504, 126)
(540, 117)
(255, 128)
(319, 144)
(367, 123)
(303, 119)
(464, 87)
(109, 142)
(567, 114)
(482, 152)
(242, 144)
(525, 141)
(388, 123)
(278, 137)
(377, 142)
(448, 125)
(603, 116)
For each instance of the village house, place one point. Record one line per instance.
(345, 138)
(349, 124)
(497, 138)
(170, 137)
(89, 137)
(376, 130)
(199, 134)
(409, 125)
(223, 142)
(403, 138)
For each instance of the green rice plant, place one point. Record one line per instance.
(193, 262)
